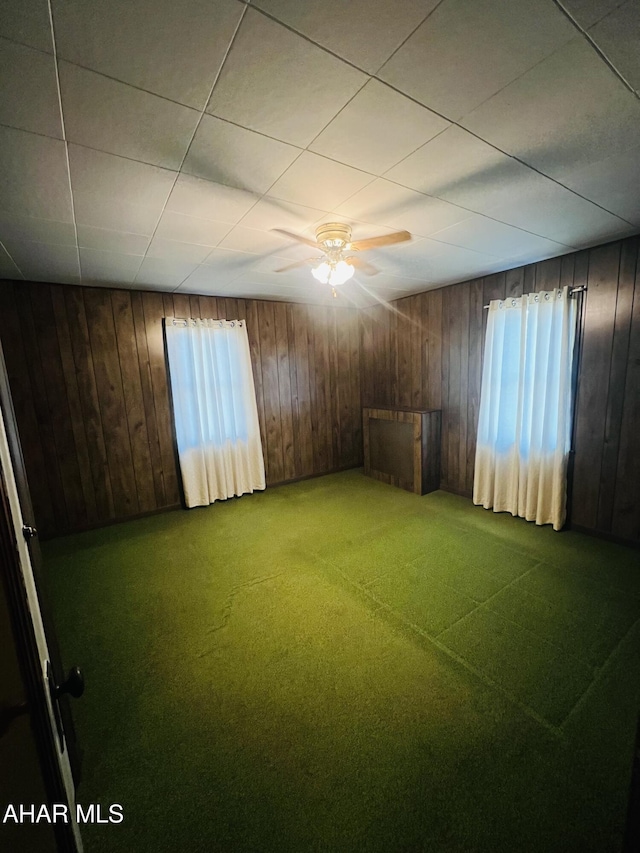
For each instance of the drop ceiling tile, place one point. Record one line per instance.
(386, 281)
(28, 90)
(401, 208)
(465, 170)
(618, 36)
(569, 109)
(364, 32)
(172, 49)
(543, 207)
(222, 267)
(122, 242)
(447, 163)
(34, 179)
(271, 213)
(466, 51)
(25, 228)
(256, 242)
(96, 264)
(161, 273)
(110, 214)
(45, 261)
(376, 129)
(27, 23)
(8, 268)
(113, 117)
(191, 229)
(587, 12)
(95, 173)
(247, 289)
(173, 250)
(480, 234)
(432, 261)
(318, 182)
(227, 154)
(276, 281)
(611, 182)
(207, 200)
(258, 87)
(204, 282)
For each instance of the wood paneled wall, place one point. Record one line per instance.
(89, 384)
(427, 353)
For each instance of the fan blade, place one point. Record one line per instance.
(385, 240)
(367, 269)
(297, 264)
(298, 237)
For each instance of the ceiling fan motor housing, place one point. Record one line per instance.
(333, 235)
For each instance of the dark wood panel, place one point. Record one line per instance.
(153, 308)
(626, 500)
(86, 510)
(300, 345)
(133, 398)
(474, 373)
(323, 389)
(146, 387)
(434, 341)
(355, 390)
(284, 390)
(253, 334)
(102, 334)
(617, 381)
(58, 405)
(593, 382)
(85, 373)
(35, 460)
(33, 362)
(274, 460)
(334, 428)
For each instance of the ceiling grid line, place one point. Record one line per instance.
(591, 41)
(64, 135)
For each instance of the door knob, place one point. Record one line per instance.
(73, 684)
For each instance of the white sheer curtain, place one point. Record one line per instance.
(524, 428)
(215, 412)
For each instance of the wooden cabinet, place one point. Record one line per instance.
(402, 447)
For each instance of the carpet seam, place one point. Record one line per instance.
(599, 674)
(482, 603)
(486, 680)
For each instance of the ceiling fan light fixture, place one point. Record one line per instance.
(333, 273)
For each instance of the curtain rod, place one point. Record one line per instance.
(580, 289)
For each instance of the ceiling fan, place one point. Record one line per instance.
(336, 266)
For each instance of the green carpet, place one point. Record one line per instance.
(338, 665)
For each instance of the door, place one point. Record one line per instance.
(36, 648)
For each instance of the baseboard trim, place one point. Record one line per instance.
(462, 492)
(602, 534)
(314, 476)
(110, 521)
